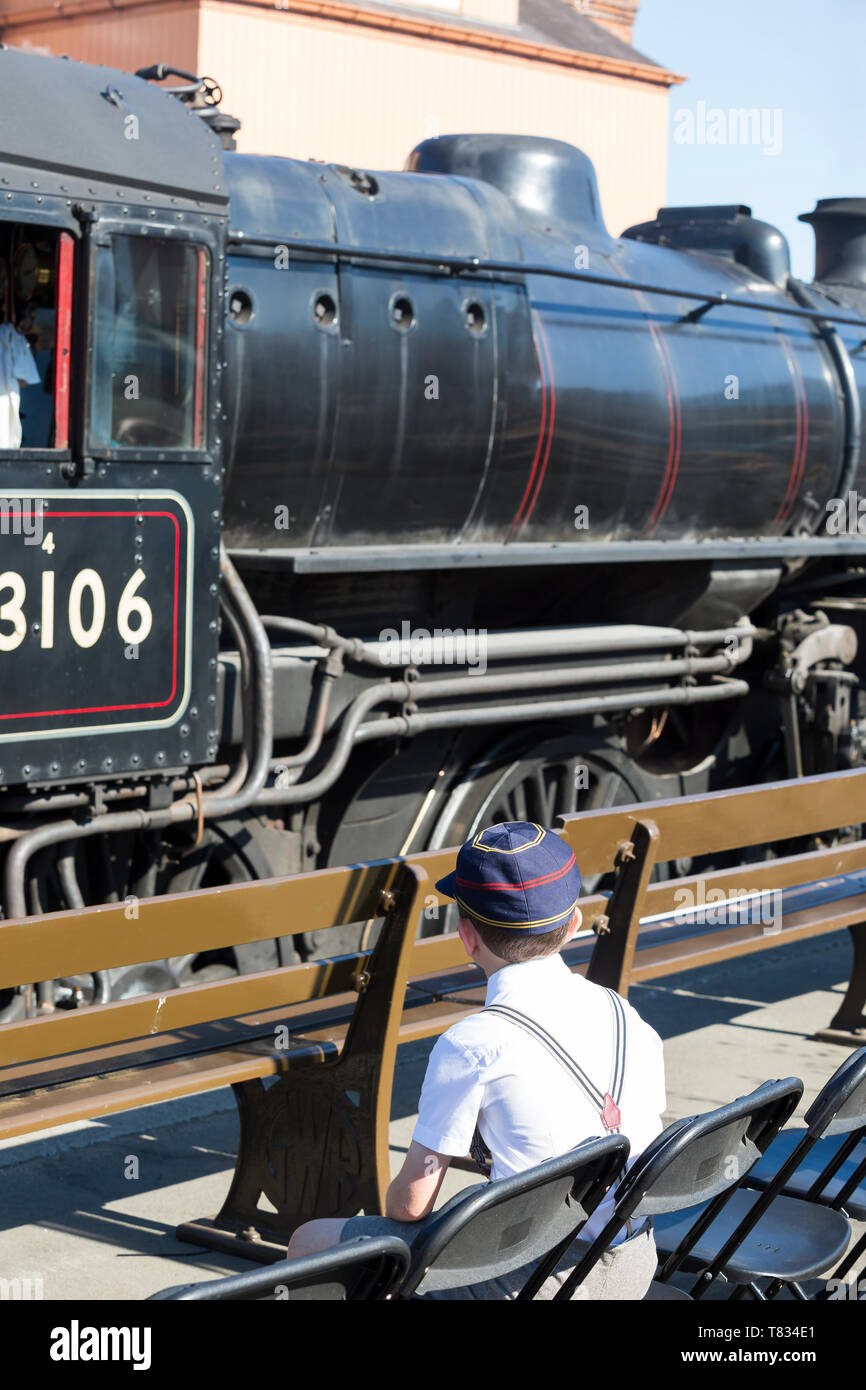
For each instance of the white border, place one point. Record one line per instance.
(112, 494)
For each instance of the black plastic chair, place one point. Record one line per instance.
(769, 1232)
(665, 1293)
(359, 1271)
(702, 1157)
(823, 1169)
(500, 1227)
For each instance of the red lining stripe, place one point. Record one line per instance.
(798, 463)
(517, 887)
(109, 709)
(783, 505)
(674, 412)
(805, 444)
(62, 339)
(550, 423)
(668, 490)
(543, 425)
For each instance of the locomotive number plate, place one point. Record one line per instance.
(95, 612)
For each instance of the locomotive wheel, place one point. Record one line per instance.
(235, 851)
(514, 779)
(540, 783)
(11, 1005)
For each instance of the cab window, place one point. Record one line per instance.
(148, 372)
(35, 318)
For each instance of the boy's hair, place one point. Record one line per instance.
(518, 946)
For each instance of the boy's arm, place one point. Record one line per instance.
(447, 1112)
(415, 1188)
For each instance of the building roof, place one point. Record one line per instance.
(557, 23)
(551, 30)
(551, 25)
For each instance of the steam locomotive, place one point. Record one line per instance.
(344, 512)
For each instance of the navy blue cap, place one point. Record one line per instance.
(515, 875)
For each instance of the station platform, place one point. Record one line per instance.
(80, 1220)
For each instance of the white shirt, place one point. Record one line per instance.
(17, 365)
(487, 1071)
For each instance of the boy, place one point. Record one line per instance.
(551, 1060)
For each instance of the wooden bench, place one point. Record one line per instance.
(309, 1049)
(718, 823)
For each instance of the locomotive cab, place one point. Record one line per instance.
(112, 234)
(144, 321)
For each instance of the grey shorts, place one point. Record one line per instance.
(624, 1272)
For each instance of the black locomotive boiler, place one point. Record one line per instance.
(343, 512)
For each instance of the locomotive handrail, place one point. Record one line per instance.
(473, 265)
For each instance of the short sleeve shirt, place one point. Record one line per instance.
(17, 368)
(486, 1072)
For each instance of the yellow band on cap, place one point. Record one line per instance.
(517, 926)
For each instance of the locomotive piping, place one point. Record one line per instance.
(332, 669)
(218, 803)
(213, 804)
(350, 733)
(74, 898)
(503, 646)
(573, 641)
(530, 680)
(354, 732)
(323, 635)
(237, 778)
(407, 725)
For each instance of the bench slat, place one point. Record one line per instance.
(95, 1096)
(723, 942)
(719, 821)
(116, 1056)
(770, 874)
(97, 938)
(101, 937)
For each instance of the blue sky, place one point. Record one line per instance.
(800, 62)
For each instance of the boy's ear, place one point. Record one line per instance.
(576, 922)
(468, 935)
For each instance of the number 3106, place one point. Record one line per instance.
(131, 606)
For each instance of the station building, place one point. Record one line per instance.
(360, 82)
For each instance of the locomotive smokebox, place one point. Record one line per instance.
(840, 240)
(549, 178)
